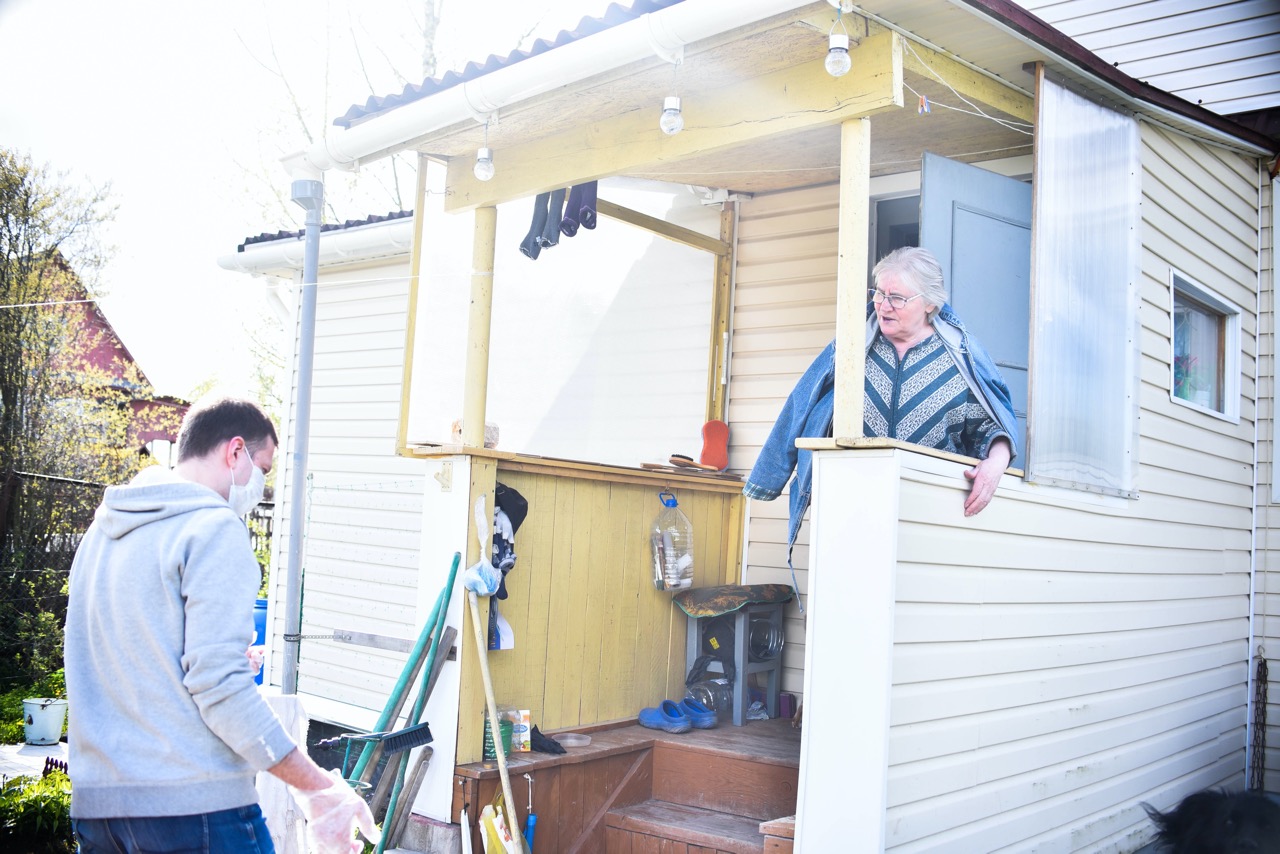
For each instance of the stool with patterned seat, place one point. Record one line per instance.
(752, 606)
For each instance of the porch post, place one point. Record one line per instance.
(476, 380)
(851, 275)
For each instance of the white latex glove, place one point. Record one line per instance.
(333, 815)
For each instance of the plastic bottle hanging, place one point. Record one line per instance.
(672, 539)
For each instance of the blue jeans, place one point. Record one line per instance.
(242, 830)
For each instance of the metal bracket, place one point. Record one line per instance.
(445, 476)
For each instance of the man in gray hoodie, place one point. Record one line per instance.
(167, 729)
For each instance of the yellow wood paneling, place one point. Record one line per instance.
(594, 640)
(773, 103)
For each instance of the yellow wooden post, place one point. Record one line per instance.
(411, 322)
(476, 381)
(851, 276)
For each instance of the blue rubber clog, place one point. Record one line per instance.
(699, 715)
(667, 717)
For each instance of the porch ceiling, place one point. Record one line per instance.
(601, 114)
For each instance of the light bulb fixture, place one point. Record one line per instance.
(484, 163)
(483, 170)
(838, 62)
(672, 120)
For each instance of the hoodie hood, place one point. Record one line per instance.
(154, 494)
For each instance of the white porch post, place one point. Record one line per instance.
(476, 380)
(851, 276)
(848, 667)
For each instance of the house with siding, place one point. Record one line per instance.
(1019, 680)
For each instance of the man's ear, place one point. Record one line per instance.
(231, 448)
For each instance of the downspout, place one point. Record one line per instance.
(1253, 540)
(308, 193)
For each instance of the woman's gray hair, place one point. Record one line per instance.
(915, 267)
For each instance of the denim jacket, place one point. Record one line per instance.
(809, 410)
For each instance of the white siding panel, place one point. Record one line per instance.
(363, 503)
(783, 315)
(1221, 54)
(1062, 657)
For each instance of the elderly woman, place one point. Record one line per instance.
(927, 382)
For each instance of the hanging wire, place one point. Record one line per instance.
(1011, 124)
(839, 20)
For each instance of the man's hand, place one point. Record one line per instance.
(331, 807)
(333, 815)
(985, 477)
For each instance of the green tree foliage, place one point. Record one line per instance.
(67, 404)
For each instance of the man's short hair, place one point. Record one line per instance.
(210, 423)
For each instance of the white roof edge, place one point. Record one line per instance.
(662, 33)
(283, 256)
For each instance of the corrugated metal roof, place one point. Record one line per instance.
(331, 226)
(616, 14)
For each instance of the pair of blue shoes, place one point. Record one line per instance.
(678, 717)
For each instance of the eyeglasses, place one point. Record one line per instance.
(878, 296)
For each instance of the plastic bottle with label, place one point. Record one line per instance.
(672, 539)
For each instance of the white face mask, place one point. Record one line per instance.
(244, 498)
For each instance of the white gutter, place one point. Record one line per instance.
(346, 246)
(663, 33)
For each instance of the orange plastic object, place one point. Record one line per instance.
(715, 445)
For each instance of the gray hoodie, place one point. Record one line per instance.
(165, 718)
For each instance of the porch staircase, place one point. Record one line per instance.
(708, 799)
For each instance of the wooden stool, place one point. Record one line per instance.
(762, 604)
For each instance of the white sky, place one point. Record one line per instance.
(172, 103)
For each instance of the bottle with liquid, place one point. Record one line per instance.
(672, 539)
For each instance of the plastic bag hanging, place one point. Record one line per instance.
(672, 540)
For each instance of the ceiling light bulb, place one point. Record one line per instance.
(484, 164)
(838, 62)
(672, 121)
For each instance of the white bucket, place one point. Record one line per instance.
(43, 717)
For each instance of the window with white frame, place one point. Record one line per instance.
(1206, 349)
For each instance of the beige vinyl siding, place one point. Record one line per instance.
(1062, 656)
(1267, 582)
(364, 503)
(1055, 663)
(783, 315)
(1219, 54)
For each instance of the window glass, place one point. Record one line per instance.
(1205, 358)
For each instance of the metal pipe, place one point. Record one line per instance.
(308, 193)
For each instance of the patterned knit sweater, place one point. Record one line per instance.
(923, 399)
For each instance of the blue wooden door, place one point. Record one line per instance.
(978, 224)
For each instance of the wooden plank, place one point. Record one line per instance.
(961, 78)
(855, 178)
(744, 787)
(476, 376)
(721, 307)
(678, 822)
(777, 102)
(662, 228)
(617, 841)
(471, 700)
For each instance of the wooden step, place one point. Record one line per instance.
(654, 825)
(747, 785)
